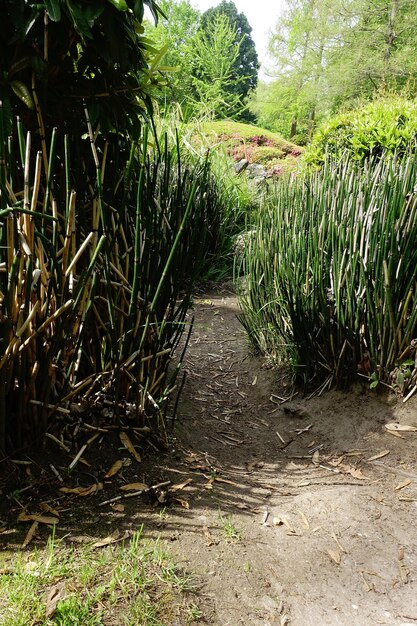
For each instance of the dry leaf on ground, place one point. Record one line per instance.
(30, 534)
(315, 459)
(82, 491)
(134, 487)
(124, 438)
(218, 479)
(341, 548)
(118, 507)
(55, 595)
(353, 471)
(113, 538)
(336, 462)
(402, 427)
(278, 521)
(46, 507)
(180, 486)
(335, 556)
(182, 502)
(208, 536)
(41, 519)
(405, 483)
(117, 465)
(304, 519)
(380, 455)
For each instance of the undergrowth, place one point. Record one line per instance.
(129, 584)
(330, 271)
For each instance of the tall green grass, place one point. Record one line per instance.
(235, 198)
(95, 278)
(331, 271)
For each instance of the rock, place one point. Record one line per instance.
(241, 165)
(242, 241)
(256, 171)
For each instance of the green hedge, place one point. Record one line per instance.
(386, 125)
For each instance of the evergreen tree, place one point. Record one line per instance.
(245, 68)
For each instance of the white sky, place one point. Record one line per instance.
(262, 16)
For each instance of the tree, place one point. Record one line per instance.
(245, 68)
(175, 30)
(377, 49)
(213, 60)
(334, 53)
(301, 47)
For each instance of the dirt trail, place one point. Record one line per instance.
(297, 514)
(320, 538)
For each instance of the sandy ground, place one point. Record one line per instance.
(324, 532)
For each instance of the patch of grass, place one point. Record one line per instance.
(247, 132)
(230, 530)
(256, 145)
(194, 613)
(128, 584)
(265, 154)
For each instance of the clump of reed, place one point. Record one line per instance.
(234, 196)
(331, 271)
(97, 262)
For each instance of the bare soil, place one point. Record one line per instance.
(326, 537)
(299, 512)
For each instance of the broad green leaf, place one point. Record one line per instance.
(119, 4)
(161, 53)
(138, 10)
(80, 20)
(22, 92)
(53, 9)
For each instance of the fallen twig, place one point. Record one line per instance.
(124, 496)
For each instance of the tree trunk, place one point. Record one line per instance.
(390, 37)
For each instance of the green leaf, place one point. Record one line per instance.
(80, 20)
(119, 4)
(138, 10)
(161, 53)
(53, 9)
(23, 93)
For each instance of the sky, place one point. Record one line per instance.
(262, 16)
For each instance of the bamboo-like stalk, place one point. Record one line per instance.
(331, 271)
(92, 284)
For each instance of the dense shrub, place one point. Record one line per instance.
(94, 288)
(386, 125)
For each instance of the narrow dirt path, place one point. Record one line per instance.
(291, 520)
(299, 514)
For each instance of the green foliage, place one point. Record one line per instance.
(232, 194)
(95, 288)
(225, 129)
(331, 271)
(384, 126)
(58, 54)
(174, 33)
(280, 107)
(215, 51)
(256, 145)
(211, 59)
(266, 155)
(245, 66)
(328, 55)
